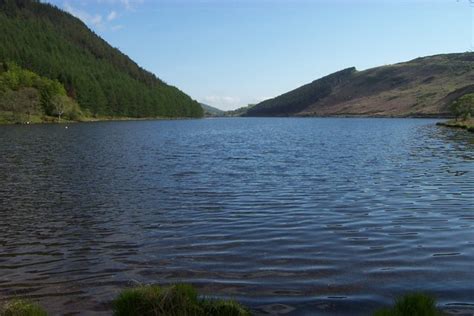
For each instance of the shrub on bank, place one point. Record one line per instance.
(463, 107)
(415, 304)
(176, 300)
(223, 307)
(21, 308)
(183, 300)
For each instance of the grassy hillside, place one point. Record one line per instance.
(239, 111)
(54, 44)
(421, 87)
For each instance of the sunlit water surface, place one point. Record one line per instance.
(298, 216)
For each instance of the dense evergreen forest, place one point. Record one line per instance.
(55, 45)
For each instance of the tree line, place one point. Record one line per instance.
(463, 107)
(103, 81)
(24, 95)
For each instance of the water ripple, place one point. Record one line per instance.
(290, 216)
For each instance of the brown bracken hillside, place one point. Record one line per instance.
(423, 87)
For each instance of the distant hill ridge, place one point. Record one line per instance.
(53, 43)
(421, 87)
(211, 111)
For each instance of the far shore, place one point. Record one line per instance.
(35, 119)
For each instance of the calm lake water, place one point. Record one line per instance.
(298, 216)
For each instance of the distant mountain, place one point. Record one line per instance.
(211, 111)
(421, 87)
(240, 111)
(54, 44)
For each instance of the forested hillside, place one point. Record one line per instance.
(105, 82)
(422, 87)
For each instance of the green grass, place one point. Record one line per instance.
(465, 124)
(223, 307)
(183, 300)
(176, 300)
(415, 304)
(21, 308)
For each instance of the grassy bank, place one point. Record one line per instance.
(148, 300)
(21, 308)
(464, 124)
(182, 299)
(175, 300)
(415, 304)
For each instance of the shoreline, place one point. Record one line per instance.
(144, 299)
(439, 117)
(54, 120)
(466, 125)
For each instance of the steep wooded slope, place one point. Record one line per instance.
(104, 81)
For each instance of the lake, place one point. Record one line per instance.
(316, 216)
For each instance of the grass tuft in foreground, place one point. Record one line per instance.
(21, 308)
(223, 307)
(415, 304)
(176, 300)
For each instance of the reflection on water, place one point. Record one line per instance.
(286, 215)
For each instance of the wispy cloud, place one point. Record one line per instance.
(88, 18)
(112, 15)
(117, 27)
(127, 4)
(231, 103)
(258, 100)
(104, 21)
(223, 102)
(102, 15)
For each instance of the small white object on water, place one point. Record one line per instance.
(66, 127)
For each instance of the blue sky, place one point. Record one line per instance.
(229, 53)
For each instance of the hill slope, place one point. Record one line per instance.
(211, 111)
(104, 81)
(421, 87)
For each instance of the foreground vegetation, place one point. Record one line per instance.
(183, 300)
(175, 300)
(148, 300)
(103, 81)
(415, 304)
(21, 308)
